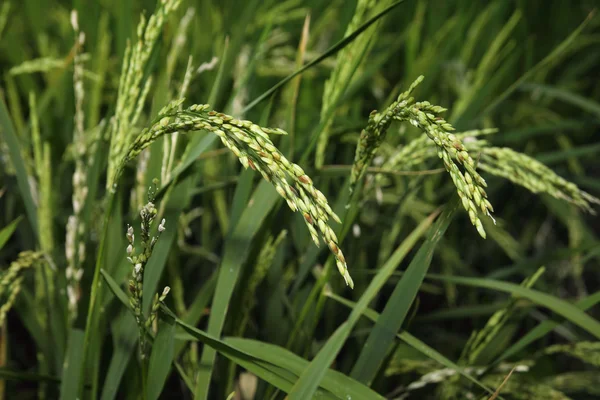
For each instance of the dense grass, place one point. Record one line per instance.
(91, 132)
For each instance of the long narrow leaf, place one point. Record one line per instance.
(7, 231)
(567, 310)
(381, 337)
(310, 378)
(14, 150)
(417, 344)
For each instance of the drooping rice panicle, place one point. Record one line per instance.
(11, 279)
(533, 175)
(425, 116)
(373, 135)
(251, 144)
(517, 167)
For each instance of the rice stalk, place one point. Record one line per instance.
(76, 227)
(347, 62)
(133, 90)
(138, 261)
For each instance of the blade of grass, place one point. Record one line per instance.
(340, 385)
(310, 378)
(125, 337)
(114, 287)
(8, 230)
(277, 376)
(72, 372)
(560, 307)
(416, 344)
(544, 328)
(9, 374)
(163, 350)
(235, 252)
(567, 96)
(396, 309)
(558, 52)
(196, 309)
(330, 51)
(14, 151)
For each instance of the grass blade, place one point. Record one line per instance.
(558, 52)
(125, 337)
(565, 309)
(544, 328)
(8, 230)
(9, 374)
(236, 249)
(72, 372)
(417, 344)
(114, 287)
(278, 377)
(381, 337)
(310, 378)
(163, 350)
(335, 382)
(14, 150)
(584, 103)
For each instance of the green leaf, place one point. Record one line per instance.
(9, 374)
(544, 328)
(340, 385)
(558, 52)
(236, 249)
(276, 375)
(561, 307)
(195, 310)
(417, 344)
(14, 151)
(312, 375)
(584, 103)
(116, 289)
(396, 309)
(8, 230)
(163, 350)
(72, 371)
(125, 337)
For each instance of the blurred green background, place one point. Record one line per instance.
(528, 68)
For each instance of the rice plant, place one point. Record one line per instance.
(299, 199)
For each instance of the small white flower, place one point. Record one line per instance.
(166, 291)
(129, 249)
(137, 269)
(71, 295)
(356, 230)
(79, 274)
(74, 22)
(130, 235)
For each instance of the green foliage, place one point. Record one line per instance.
(93, 122)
